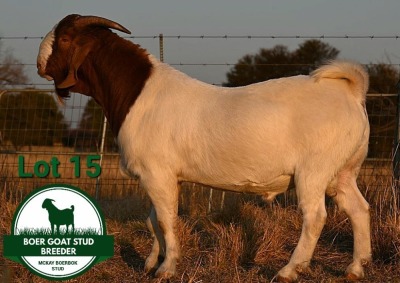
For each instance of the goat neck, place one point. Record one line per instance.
(114, 74)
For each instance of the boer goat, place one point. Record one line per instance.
(308, 132)
(59, 217)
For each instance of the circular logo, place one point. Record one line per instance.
(58, 233)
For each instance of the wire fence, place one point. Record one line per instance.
(226, 36)
(36, 131)
(42, 142)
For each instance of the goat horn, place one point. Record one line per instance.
(99, 21)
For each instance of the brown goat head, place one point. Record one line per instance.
(81, 54)
(66, 47)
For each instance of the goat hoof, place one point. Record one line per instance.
(283, 279)
(151, 265)
(352, 277)
(150, 268)
(286, 276)
(165, 272)
(355, 272)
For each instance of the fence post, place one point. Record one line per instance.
(210, 201)
(396, 154)
(4, 125)
(161, 42)
(221, 207)
(103, 141)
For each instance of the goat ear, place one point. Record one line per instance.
(77, 59)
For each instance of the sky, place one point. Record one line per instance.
(215, 18)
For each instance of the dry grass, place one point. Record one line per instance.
(246, 241)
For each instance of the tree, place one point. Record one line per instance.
(92, 117)
(11, 70)
(382, 110)
(30, 118)
(279, 62)
(26, 118)
(311, 54)
(91, 128)
(383, 78)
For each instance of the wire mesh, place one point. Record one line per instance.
(33, 125)
(34, 128)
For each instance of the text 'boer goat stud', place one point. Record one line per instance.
(308, 132)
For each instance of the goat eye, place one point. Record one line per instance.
(64, 40)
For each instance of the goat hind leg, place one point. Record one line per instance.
(349, 199)
(311, 197)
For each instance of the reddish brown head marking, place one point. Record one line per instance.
(86, 57)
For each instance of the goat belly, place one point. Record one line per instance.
(271, 188)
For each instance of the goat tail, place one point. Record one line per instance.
(72, 207)
(354, 73)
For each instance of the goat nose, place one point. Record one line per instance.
(39, 68)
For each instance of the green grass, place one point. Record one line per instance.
(62, 232)
(34, 232)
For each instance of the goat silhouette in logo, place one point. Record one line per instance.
(59, 217)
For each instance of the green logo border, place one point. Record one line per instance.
(34, 192)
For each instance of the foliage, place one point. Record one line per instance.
(280, 62)
(382, 111)
(383, 78)
(92, 123)
(11, 69)
(30, 118)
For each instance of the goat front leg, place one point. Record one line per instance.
(158, 248)
(163, 193)
(311, 197)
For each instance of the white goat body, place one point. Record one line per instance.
(310, 132)
(247, 139)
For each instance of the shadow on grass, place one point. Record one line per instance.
(131, 257)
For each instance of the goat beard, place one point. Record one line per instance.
(59, 76)
(62, 94)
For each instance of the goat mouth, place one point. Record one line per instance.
(44, 75)
(47, 77)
